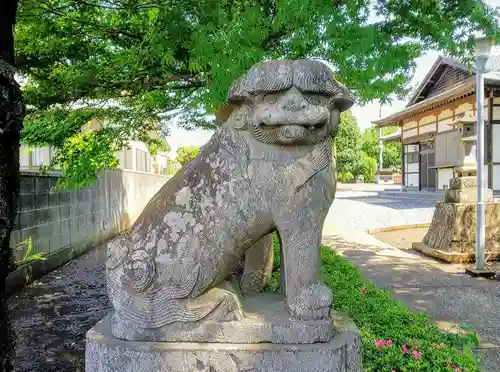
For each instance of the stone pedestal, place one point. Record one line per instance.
(452, 234)
(463, 190)
(341, 353)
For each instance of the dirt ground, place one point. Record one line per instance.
(402, 239)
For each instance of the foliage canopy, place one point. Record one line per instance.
(136, 63)
(185, 154)
(391, 151)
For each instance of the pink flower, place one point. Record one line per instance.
(389, 342)
(416, 354)
(405, 349)
(379, 344)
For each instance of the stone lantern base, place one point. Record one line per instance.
(452, 233)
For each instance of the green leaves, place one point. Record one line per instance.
(391, 151)
(348, 154)
(185, 154)
(156, 60)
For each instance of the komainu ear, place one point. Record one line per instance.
(239, 117)
(334, 121)
(343, 100)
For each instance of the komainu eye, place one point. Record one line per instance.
(314, 99)
(270, 99)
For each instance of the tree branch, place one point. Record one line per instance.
(112, 31)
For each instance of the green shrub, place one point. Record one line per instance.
(347, 177)
(394, 339)
(369, 169)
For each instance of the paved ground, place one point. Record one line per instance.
(402, 239)
(441, 290)
(52, 315)
(363, 210)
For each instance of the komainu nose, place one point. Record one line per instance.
(294, 103)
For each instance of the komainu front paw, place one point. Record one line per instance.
(312, 302)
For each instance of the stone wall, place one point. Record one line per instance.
(63, 225)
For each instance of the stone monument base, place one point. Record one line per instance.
(452, 233)
(265, 320)
(105, 353)
(452, 256)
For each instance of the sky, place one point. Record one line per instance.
(364, 114)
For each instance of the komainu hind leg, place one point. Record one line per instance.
(258, 266)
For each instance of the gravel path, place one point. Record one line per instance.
(52, 315)
(367, 210)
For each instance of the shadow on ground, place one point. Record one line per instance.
(52, 315)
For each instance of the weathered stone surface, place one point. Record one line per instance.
(268, 167)
(105, 353)
(453, 228)
(265, 320)
(258, 266)
(460, 183)
(466, 195)
(457, 254)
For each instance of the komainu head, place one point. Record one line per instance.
(288, 102)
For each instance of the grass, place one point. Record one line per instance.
(394, 338)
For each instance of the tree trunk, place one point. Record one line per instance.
(11, 119)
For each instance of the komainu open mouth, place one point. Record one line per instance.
(311, 127)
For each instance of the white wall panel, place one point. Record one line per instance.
(496, 177)
(428, 128)
(443, 125)
(413, 167)
(444, 177)
(413, 180)
(463, 107)
(496, 143)
(410, 133)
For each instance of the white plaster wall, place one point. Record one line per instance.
(428, 128)
(410, 133)
(24, 157)
(40, 156)
(413, 167)
(444, 177)
(496, 177)
(496, 143)
(412, 180)
(463, 107)
(445, 114)
(410, 125)
(427, 119)
(443, 125)
(496, 113)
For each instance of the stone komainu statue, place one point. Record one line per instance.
(267, 168)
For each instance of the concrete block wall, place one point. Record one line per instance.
(65, 224)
